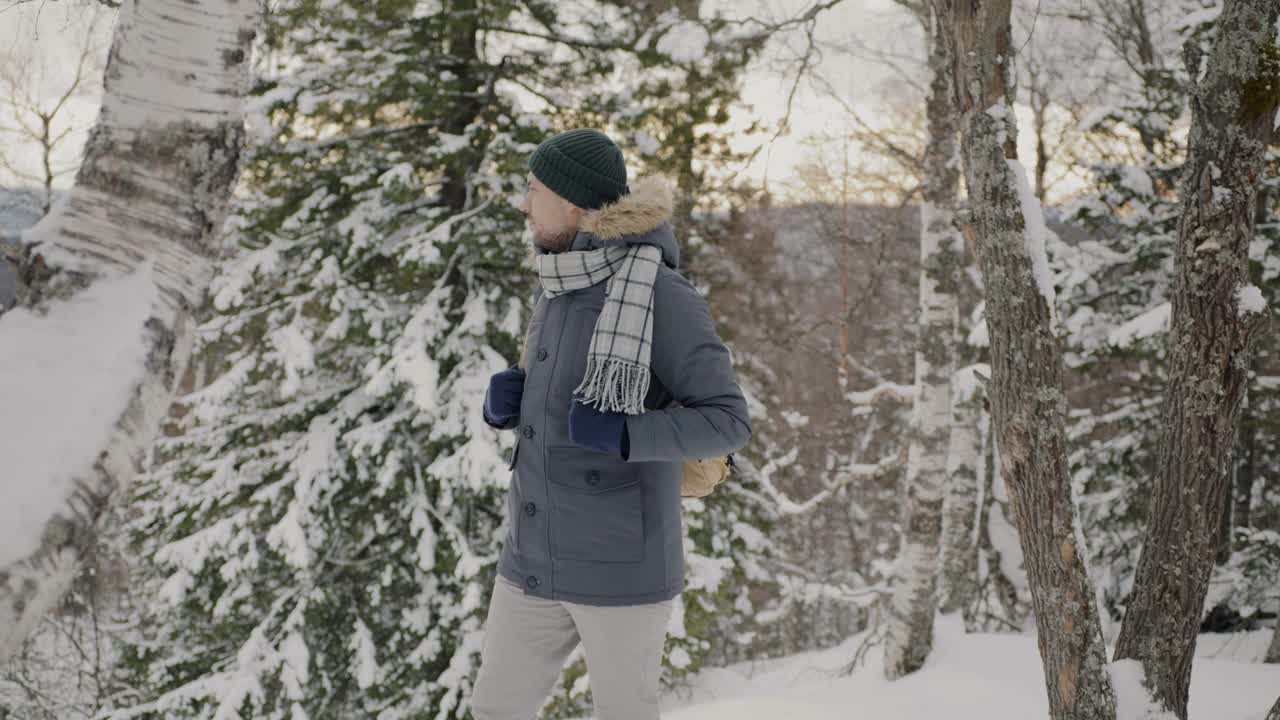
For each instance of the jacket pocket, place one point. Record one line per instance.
(599, 506)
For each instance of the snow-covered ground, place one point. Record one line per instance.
(968, 677)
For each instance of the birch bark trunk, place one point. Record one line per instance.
(1027, 400)
(909, 634)
(1215, 321)
(157, 175)
(959, 521)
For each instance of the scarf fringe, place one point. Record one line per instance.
(619, 385)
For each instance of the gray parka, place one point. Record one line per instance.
(592, 527)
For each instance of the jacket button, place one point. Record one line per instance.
(528, 431)
(593, 477)
(530, 508)
(542, 353)
(531, 581)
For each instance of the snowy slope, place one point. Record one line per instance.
(968, 677)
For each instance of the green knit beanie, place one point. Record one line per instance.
(582, 166)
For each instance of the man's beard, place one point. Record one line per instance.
(557, 243)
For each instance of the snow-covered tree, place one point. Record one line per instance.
(1026, 389)
(116, 272)
(317, 534)
(912, 604)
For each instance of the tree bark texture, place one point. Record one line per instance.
(1211, 337)
(959, 521)
(912, 603)
(157, 175)
(1027, 399)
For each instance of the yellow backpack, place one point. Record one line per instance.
(700, 476)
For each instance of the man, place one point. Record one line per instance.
(604, 426)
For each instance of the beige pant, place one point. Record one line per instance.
(527, 640)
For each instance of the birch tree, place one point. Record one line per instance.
(1027, 399)
(958, 572)
(909, 635)
(115, 274)
(1216, 316)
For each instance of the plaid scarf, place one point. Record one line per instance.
(617, 374)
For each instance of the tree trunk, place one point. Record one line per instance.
(1027, 399)
(1211, 335)
(1273, 650)
(959, 544)
(158, 171)
(909, 635)
(942, 165)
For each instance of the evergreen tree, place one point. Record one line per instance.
(316, 540)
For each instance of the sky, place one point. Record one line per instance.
(51, 33)
(848, 34)
(50, 36)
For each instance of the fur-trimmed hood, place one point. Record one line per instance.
(642, 216)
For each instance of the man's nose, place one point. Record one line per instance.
(524, 204)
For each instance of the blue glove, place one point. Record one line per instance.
(502, 399)
(597, 430)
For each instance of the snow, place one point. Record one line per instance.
(1143, 326)
(1093, 117)
(978, 336)
(1136, 180)
(965, 382)
(1132, 700)
(646, 144)
(794, 419)
(1199, 17)
(1249, 300)
(685, 42)
(66, 378)
(364, 656)
(967, 677)
(1000, 113)
(1035, 235)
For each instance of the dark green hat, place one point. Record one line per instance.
(582, 166)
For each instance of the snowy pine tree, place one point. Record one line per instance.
(1113, 292)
